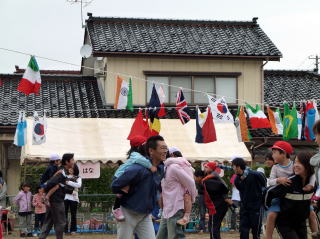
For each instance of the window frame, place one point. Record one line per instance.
(192, 75)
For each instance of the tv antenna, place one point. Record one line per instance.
(83, 4)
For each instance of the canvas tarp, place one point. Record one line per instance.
(105, 140)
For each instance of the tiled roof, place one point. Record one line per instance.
(61, 96)
(290, 85)
(132, 36)
(50, 72)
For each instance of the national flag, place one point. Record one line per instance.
(20, 137)
(31, 79)
(182, 108)
(139, 127)
(206, 132)
(278, 119)
(302, 112)
(241, 125)
(290, 122)
(312, 116)
(39, 129)
(154, 104)
(122, 92)
(220, 111)
(155, 126)
(275, 121)
(130, 98)
(257, 117)
(299, 121)
(162, 98)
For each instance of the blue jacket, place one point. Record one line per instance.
(251, 189)
(50, 171)
(144, 185)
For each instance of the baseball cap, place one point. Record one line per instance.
(212, 165)
(173, 149)
(54, 157)
(137, 140)
(283, 146)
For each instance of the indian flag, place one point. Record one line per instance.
(31, 80)
(257, 117)
(123, 95)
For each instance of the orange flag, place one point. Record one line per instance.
(272, 120)
(241, 126)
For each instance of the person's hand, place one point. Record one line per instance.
(125, 189)
(284, 181)
(307, 188)
(229, 201)
(153, 169)
(58, 172)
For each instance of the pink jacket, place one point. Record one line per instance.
(38, 203)
(177, 182)
(23, 201)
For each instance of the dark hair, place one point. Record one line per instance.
(269, 156)
(177, 154)
(199, 173)
(38, 187)
(239, 162)
(75, 170)
(66, 158)
(282, 152)
(152, 142)
(304, 159)
(316, 127)
(24, 184)
(139, 149)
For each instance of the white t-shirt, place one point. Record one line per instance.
(74, 196)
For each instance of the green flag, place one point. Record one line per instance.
(290, 122)
(130, 101)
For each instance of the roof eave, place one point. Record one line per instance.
(144, 54)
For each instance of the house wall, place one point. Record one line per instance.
(249, 83)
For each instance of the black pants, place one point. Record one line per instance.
(72, 205)
(296, 229)
(202, 212)
(250, 219)
(4, 219)
(38, 221)
(215, 221)
(56, 217)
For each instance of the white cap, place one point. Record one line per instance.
(54, 157)
(173, 149)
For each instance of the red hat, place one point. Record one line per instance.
(284, 146)
(137, 140)
(212, 165)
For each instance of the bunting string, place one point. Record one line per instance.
(272, 104)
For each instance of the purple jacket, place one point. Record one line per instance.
(24, 201)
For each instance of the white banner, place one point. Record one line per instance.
(89, 169)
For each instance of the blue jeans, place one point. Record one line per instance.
(202, 212)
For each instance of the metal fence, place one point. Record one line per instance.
(95, 214)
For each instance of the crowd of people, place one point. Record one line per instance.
(156, 188)
(56, 195)
(156, 176)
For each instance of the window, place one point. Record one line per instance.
(222, 86)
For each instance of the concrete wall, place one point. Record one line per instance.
(249, 83)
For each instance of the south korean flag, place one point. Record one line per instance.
(220, 111)
(39, 129)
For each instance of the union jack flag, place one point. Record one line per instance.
(182, 108)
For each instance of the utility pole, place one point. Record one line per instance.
(317, 62)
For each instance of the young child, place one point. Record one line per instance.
(24, 201)
(281, 151)
(136, 154)
(39, 208)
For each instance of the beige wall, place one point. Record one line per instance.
(249, 83)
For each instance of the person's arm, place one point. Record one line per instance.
(315, 160)
(225, 167)
(34, 201)
(77, 184)
(60, 178)
(45, 176)
(312, 180)
(3, 191)
(261, 179)
(277, 191)
(131, 174)
(238, 182)
(17, 198)
(52, 191)
(273, 177)
(184, 178)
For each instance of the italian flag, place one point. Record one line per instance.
(257, 117)
(31, 80)
(123, 95)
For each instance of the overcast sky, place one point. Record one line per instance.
(52, 28)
